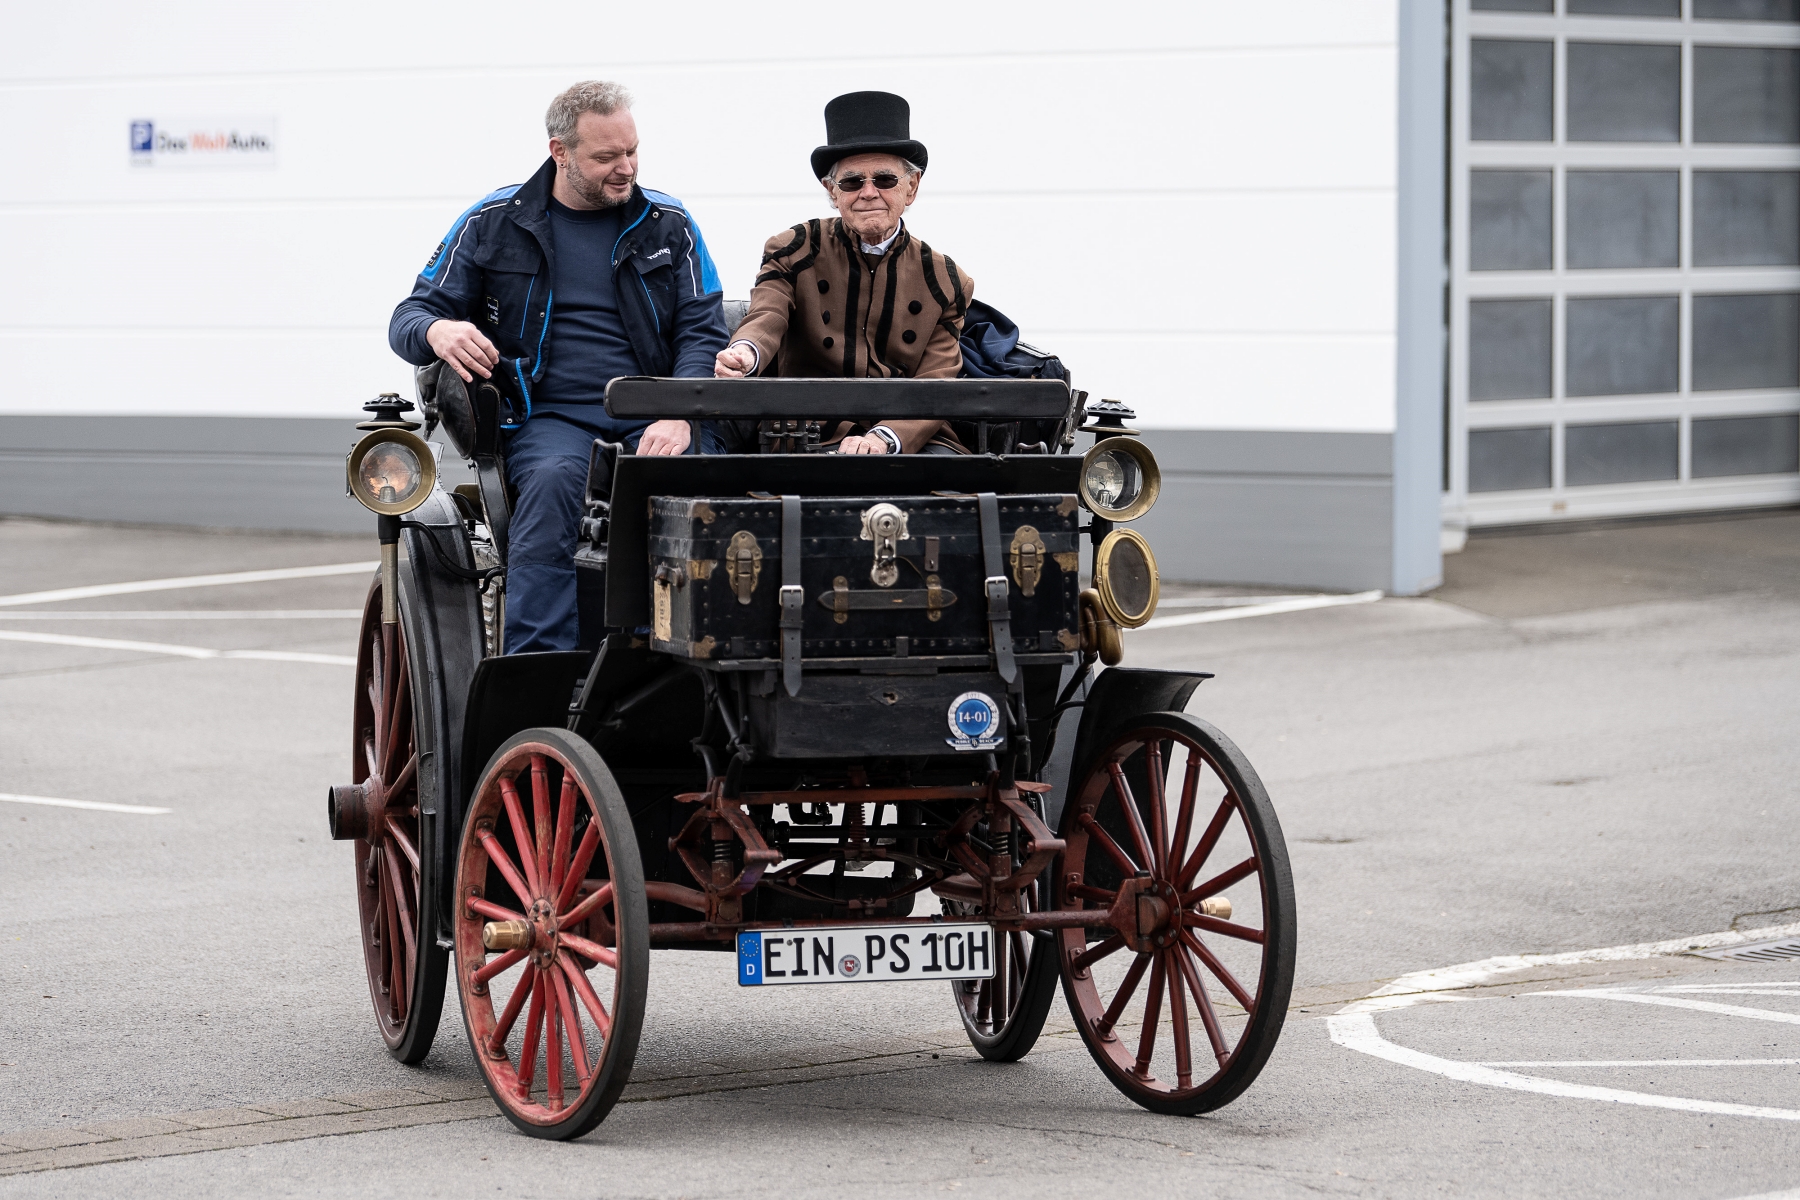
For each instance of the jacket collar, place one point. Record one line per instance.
(852, 243)
(531, 204)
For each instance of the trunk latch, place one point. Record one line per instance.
(885, 525)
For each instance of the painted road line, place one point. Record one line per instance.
(1297, 604)
(1730, 1010)
(95, 805)
(1226, 601)
(1649, 1062)
(1353, 1026)
(192, 614)
(92, 643)
(184, 581)
(1356, 1031)
(1441, 983)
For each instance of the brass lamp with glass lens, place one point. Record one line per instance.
(1119, 479)
(1125, 577)
(390, 472)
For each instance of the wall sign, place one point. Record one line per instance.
(208, 142)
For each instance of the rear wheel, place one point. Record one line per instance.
(1004, 1015)
(552, 934)
(395, 897)
(1182, 1011)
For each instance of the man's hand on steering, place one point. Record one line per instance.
(666, 437)
(464, 347)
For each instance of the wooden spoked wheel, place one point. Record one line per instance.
(1004, 1015)
(1165, 825)
(406, 966)
(552, 934)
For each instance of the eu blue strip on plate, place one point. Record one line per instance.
(750, 959)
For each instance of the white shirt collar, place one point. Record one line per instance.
(882, 248)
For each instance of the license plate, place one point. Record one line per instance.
(866, 954)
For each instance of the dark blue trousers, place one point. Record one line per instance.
(547, 465)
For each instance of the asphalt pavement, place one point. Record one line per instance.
(1569, 775)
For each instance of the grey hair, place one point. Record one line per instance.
(912, 169)
(589, 96)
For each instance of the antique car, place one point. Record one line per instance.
(838, 718)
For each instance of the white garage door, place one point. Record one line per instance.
(1625, 257)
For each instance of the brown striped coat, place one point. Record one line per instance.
(821, 307)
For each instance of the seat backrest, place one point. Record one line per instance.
(735, 312)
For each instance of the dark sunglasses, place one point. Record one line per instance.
(885, 180)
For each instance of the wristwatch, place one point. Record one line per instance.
(889, 436)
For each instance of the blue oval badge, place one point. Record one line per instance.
(974, 722)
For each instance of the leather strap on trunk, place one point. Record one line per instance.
(793, 600)
(993, 558)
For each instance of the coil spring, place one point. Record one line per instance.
(1003, 843)
(721, 850)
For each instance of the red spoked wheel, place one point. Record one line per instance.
(381, 811)
(552, 934)
(1004, 1015)
(1169, 829)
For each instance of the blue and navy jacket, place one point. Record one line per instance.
(494, 268)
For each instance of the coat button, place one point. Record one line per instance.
(828, 343)
(824, 286)
(914, 308)
(825, 317)
(909, 337)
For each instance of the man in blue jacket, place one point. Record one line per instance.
(558, 286)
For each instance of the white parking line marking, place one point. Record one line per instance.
(1790, 1194)
(185, 581)
(1440, 983)
(1299, 604)
(95, 805)
(1759, 988)
(1356, 1031)
(1649, 1062)
(1228, 601)
(1353, 1027)
(92, 643)
(1730, 1010)
(192, 614)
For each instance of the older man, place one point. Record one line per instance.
(557, 286)
(858, 295)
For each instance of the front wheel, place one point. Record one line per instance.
(552, 926)
(1184, 1022)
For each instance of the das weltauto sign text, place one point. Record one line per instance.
(205, 142)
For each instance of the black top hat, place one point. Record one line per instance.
(867, 123)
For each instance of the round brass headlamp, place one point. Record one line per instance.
(1119, 479)
(1125, 576)
(392, 472)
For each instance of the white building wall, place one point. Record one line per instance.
(1193, 203)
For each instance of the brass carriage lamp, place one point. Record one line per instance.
(1119, 481)
(391, 471)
